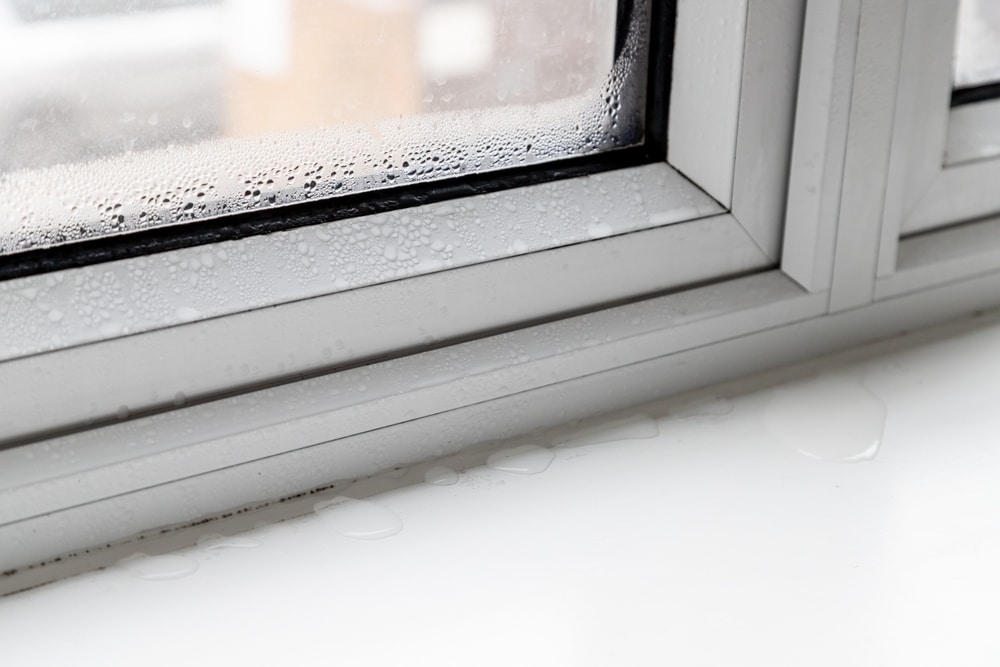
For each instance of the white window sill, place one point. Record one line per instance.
(632, 548)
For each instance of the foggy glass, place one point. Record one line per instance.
(118, 115)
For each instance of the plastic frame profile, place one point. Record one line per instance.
(945, 160)
(940, 218)
(973, 132)
(874, 203)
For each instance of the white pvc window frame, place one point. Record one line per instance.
(939, 217)
(973, 128)
(973, 133)
(947, 159)
(491, 350)
(130, 359)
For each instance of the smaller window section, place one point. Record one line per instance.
(976, 65)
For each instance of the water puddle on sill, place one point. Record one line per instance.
(830, 418)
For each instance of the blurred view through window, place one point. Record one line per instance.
(977, 43)
(118, 115)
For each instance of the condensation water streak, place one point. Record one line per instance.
(180, 111)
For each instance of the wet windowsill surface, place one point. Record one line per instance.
(847, 514)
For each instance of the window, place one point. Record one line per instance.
(949, 163)
(977, 44)
(974, 127)
(805, 202)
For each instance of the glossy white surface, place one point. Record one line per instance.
(847, 516)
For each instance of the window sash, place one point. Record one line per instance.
(538, 341)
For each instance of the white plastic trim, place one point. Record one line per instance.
(159, 369)
(866, 160)
(943, 256)
(766, 116)
(705, 92)
(959, 193)
(167, 368)
(155, 450)
(973, 133)
(826, 81)
(59, 310)
(932, 181)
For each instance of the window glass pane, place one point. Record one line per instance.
(118, 115)
(977, 43)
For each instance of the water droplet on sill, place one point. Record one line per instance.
(523, 460)
(358, 519)
(832, 419)
(216, 542)
(639, 427)
(158, 568)
(440, 476)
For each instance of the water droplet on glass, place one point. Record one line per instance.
(598, 230)
(111, 328)
(523, 460)
(155, 568)
(440, 476)
(833, 419)
(186, 313)
(358, 519)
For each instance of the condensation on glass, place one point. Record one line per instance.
(120, 115)
(977, 43)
